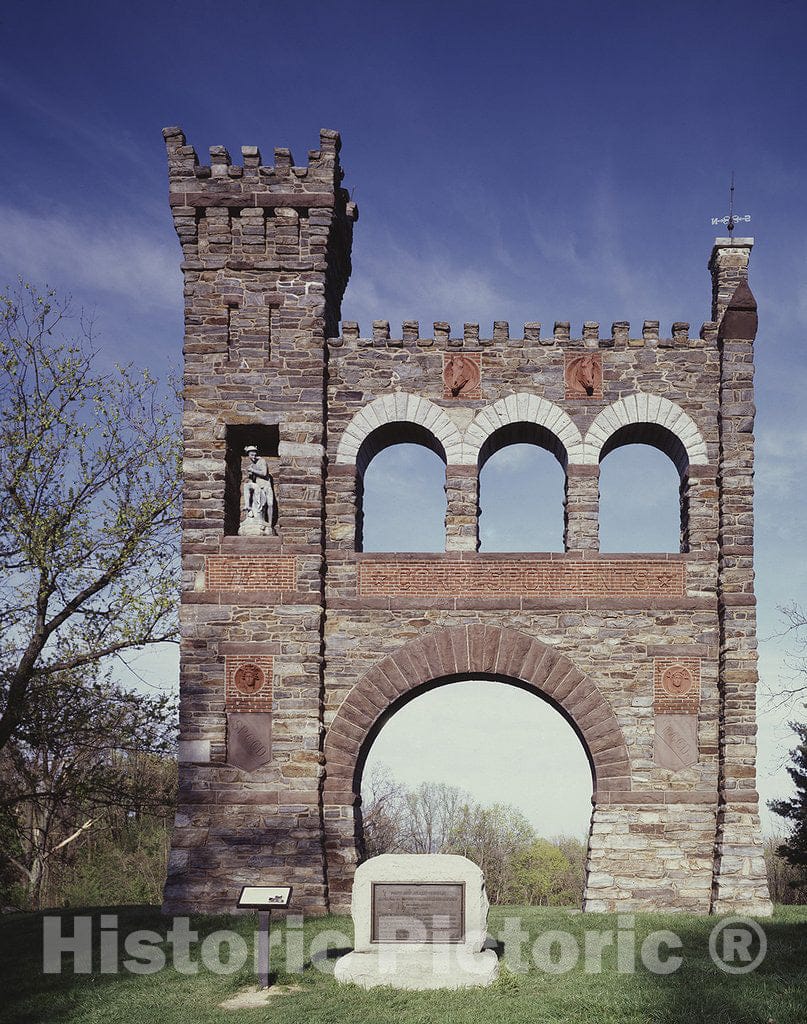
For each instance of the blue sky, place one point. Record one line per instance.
(519, 161)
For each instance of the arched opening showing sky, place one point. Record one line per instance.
(404, 500)
(521, 500)
(498, 742)
(639, 501)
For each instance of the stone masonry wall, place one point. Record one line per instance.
(650, 657)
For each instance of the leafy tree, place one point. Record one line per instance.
(87, 752)
(383, 810)
(432, 815)
(784, 881)
(89, 504)
(400, 820)
(572, 882)
(123, 862)
(536, 871)
(491, 837)
(794, 849)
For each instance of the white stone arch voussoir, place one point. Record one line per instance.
(523, 407)
(653, 410)
(399, 407)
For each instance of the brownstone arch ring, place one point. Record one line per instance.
(464, 652)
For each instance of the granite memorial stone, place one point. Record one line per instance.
(420, 922)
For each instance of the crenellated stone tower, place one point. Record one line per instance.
(297, 646)
(266, 258)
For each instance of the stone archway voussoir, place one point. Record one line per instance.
(462, 650)
(419, 660)
(459, 645)
(575, 698)
(394, 675)
(379, 681)
(561, 679)
(584, 705)
(538, 664)
(344, 732)
(513, 654)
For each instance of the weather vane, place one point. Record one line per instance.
(731, 220)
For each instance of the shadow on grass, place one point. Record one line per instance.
(31, 996)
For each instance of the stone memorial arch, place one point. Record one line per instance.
(296, 645)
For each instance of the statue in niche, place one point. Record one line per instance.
(258, 496)
(584, 376)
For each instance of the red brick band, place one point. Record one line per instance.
(486, 579)
(250, 572)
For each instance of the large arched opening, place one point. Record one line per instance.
(483, 768)
(442, 657)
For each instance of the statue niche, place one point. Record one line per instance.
(252, 457)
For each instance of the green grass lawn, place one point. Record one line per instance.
(776, 991)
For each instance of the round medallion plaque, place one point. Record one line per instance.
(248, 679)
(677, 681)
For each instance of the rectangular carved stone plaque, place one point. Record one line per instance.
(249, 739)
(631, 578)
(676, 742)
(418, 912)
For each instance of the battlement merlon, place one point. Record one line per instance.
(253, 184)
(257, 219)
(561, 334)
(278, 236)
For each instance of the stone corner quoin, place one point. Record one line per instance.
(307, 644)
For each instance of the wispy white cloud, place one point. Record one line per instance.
(402, 282)
(596, 259)
(114, 257)
(75, 130)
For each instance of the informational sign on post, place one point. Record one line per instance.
(264, 899)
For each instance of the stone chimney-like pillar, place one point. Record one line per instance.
(582, 508)
(728, 266)
(740, 880)
(462, 508)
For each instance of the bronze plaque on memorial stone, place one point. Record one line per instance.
(418, 912)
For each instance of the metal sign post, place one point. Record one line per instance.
(264, 899)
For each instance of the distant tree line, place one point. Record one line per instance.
(520, 867)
